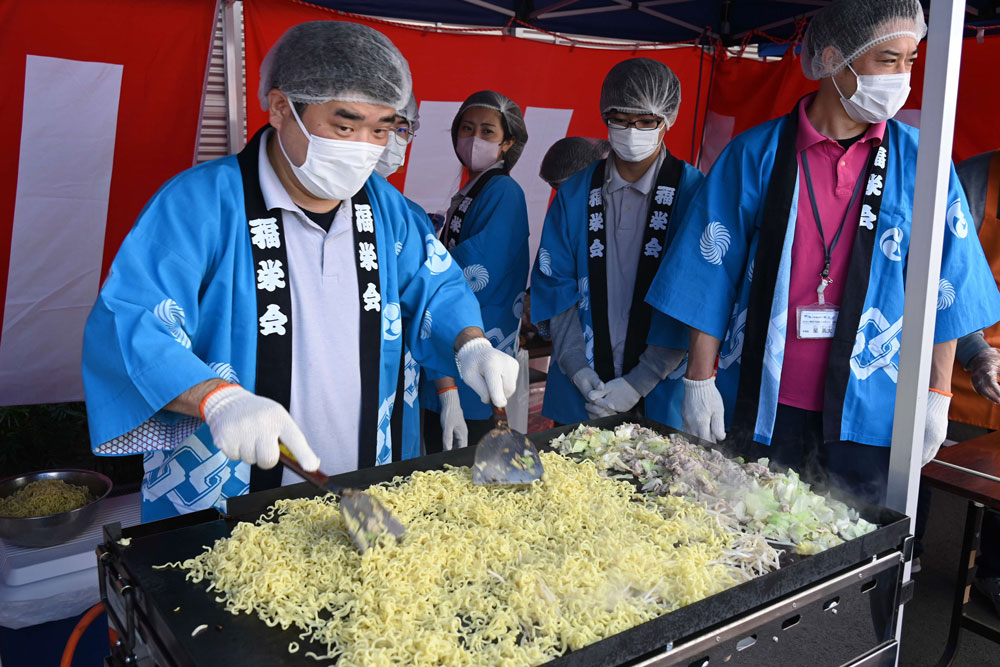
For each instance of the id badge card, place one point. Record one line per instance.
(816, 321)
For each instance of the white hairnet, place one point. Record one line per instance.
(852, 27)
(319, 61)
(569, 155)
(510, 114)
(642, 85)
(411, 113)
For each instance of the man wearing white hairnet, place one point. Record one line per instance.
(604, 236)
(789, 267)
(266, 296)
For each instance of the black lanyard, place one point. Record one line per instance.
(828, 250)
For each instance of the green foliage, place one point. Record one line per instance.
(54, 435)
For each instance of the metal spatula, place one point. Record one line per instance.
(504, 456)
(365, 518)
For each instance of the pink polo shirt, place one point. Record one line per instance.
(834, 174)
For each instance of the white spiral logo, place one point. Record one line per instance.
(392, 325)
(544, 262)
(946, 294)
(890, 243)
(750, 270)
(399, 247)
(957, 223)
(518, 308)
(584, 285)
(477, 276)
(438, 259)
(425, 325)
(714, 242)
(171, 314)
(225, 371)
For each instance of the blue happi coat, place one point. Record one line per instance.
(411, 369)
(705, 280)
(180, 307)
(492, 251)
(560, 280)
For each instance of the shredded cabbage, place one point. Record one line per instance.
(777, 506)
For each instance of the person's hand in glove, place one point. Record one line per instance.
(248, 427)
(488, 372)
(984, 368)
(454, 431)
(617, 396)
(936, 425)
(587, 381)
(702, 412)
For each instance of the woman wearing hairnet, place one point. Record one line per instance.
(602, 242)
(796, 248)
(265, 296)
(486, 231)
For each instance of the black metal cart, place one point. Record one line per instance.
(839, 607)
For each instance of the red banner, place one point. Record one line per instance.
(449, 66)
(751, 92)
(100, 107)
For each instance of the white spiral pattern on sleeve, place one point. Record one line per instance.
(946, 294)
(714, 242)
(171, 314)
(477, 276)
(225, 371)
(544, 262)
(425, 325)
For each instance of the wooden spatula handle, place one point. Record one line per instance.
(286, 457)
(500, 417)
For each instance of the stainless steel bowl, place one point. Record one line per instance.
(45, 531)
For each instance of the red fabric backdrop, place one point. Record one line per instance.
(163, 47)
(754, 91)
(451, 66)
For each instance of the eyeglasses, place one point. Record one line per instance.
(403, 134)
(644, 124)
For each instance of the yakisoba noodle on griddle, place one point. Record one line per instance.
(483, 575)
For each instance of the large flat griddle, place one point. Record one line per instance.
(243, 639)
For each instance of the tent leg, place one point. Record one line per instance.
(944, 52)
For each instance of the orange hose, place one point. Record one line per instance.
(74, 637)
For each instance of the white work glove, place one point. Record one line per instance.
(617, 396)
(247, 427)
(454, 431)
(488, 372)
(936, 426)
(702, 412)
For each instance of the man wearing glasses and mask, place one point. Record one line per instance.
(266, 297)
(604, 236)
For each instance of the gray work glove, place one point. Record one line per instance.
(617, 396)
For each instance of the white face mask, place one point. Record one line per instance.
(392, 158)
(634, 145)
(334, 169)
(878, 97)
(477, 154)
